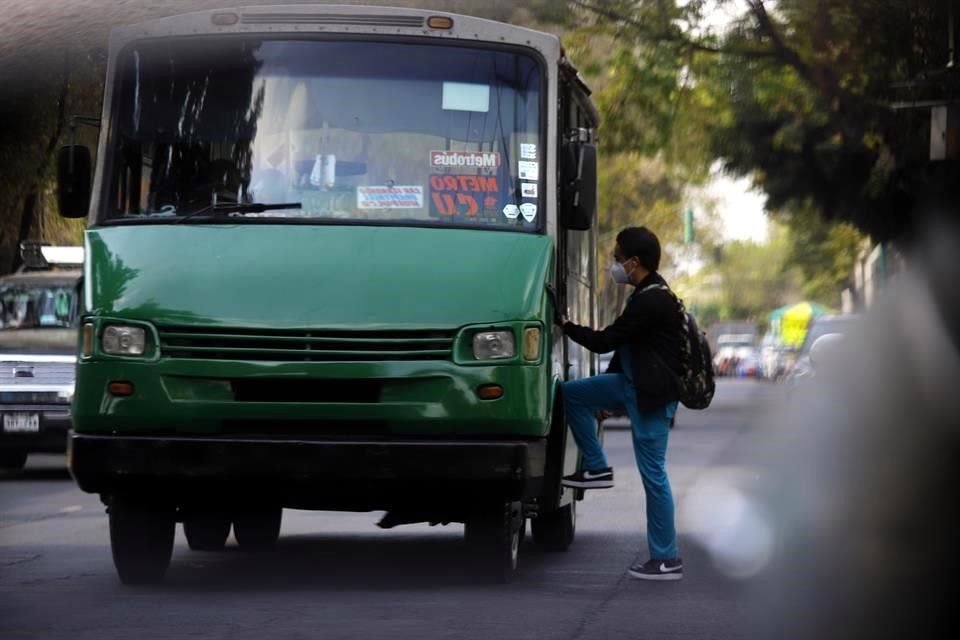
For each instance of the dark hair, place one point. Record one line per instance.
(640, 243)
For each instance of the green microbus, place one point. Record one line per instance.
(325, 247)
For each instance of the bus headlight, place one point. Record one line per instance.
(494, 345)
(120, 340)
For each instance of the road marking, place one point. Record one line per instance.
(71, 509)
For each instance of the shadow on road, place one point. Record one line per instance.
(35, 475)
(341, 562)
(336, 563)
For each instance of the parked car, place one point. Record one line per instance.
(730, 349)
(775, 359)
(748, 363)
(838, 325)
(38, 343)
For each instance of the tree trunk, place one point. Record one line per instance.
(31, 202)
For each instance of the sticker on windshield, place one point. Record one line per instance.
(464, 96)
(528, 151)
(511, 211)
(529, 170)
(529, 211)
(528, 189)
(399, 197)
(464, 159)
(470, 196)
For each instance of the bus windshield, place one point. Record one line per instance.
(347, 130)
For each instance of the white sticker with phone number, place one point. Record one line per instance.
(529, 170)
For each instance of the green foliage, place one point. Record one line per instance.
(755, 278)
(805, 258)
(647, 82)
(810, 108)
(797, 98)
(635, 190)
(653, 142)
(797, 94)
(823, 253)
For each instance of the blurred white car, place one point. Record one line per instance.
(839, 326)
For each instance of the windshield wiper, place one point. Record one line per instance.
(238, 207)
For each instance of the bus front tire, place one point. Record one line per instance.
(493, 540)
(141, 540)
(555, 531)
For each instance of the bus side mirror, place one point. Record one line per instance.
(578, 205)
(73, 181)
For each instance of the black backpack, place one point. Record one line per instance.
(695, 385)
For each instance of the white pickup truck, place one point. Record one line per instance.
(38, 342)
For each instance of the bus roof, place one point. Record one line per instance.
(341, 19)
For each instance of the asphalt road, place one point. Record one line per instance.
(336, 575)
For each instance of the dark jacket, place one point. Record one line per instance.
(652, 325)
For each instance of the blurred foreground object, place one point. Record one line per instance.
(862, 492)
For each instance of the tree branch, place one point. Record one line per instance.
(823, 80)
(785, 53)
(671, 38)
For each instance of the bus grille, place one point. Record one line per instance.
(415, 22)
(304, 346)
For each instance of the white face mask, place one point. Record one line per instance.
(619, 274)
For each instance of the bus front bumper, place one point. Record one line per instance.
(311, 474)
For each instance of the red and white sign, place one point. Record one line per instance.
(399, 197)
(459, 195)
(464, 159)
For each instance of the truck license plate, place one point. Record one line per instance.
(21, 422)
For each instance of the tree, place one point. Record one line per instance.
(646, 88)
(652, 148)
(807, 90)
(823, 253)
(755, 278)
(635, 190)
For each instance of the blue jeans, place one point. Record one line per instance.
(651, 430)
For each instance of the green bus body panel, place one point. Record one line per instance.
(299, 277)
(306, 276)
(430, 399)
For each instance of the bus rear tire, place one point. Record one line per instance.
(206, 531)
(257, 529)
(141, 540)
(555, 531)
